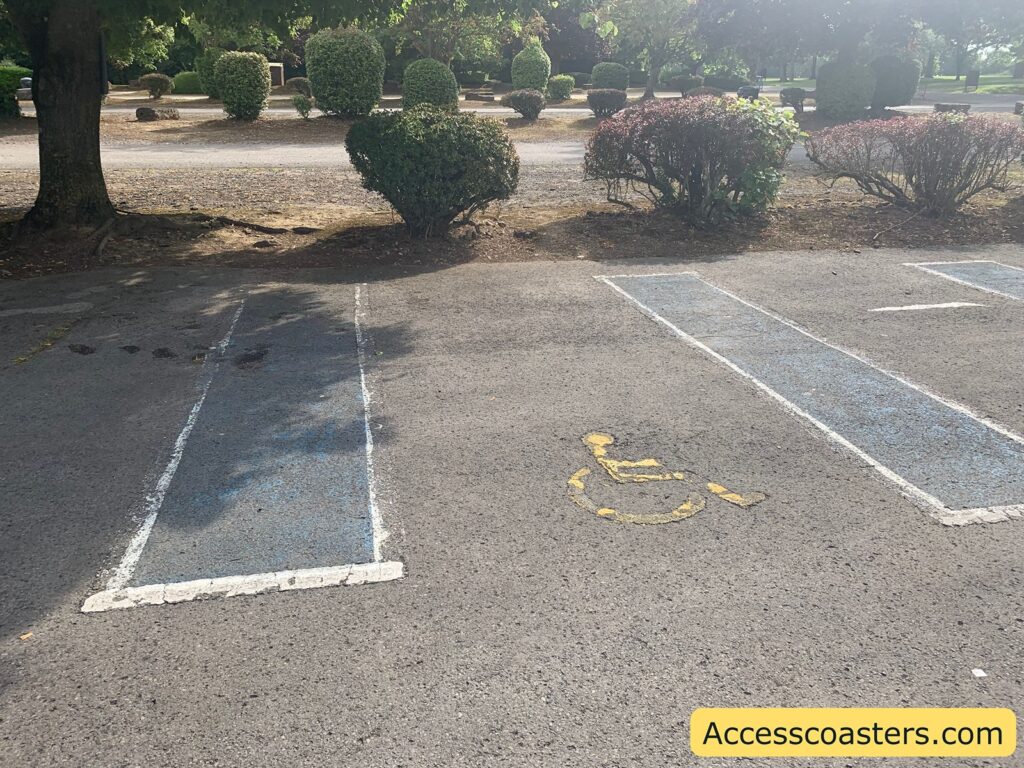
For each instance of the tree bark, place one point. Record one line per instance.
(652, 81)
(67, 83)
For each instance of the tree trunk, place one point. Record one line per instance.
(814, 68)
(67, 86)
(652, 80)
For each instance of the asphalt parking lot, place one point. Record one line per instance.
(527, 514)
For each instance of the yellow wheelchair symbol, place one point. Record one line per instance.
(645, 471)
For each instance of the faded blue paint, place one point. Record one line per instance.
(942, 451)
(274, 475)
(985, 275)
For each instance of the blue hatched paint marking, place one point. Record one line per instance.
(942, 456)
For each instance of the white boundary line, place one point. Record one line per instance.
(379, 532)
(155, 500)
(254, 584)
(924, 267)
(917, 307)
(923, 499)
(117, 595)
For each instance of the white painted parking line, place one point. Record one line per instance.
(133, 583)
(981, 274)
(155, 500)
(918, 307)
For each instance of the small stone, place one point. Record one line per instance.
(152, 114)
(264, 244)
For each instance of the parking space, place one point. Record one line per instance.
(595, 505)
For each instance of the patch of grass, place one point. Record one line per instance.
(988, 84)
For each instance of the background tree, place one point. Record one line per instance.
(660, 30)
(65, 40)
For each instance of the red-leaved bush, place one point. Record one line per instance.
(704, 158)
(933, 164)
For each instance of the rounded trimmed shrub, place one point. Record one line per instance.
(206, 68)
(299, 85)
(428, 81)
(527, 103)
(705, 159)
(531, 68)
(187, 82)
(726, 82)
(560, 87)
(244, 83)
(605, 102)
(896, 81)
(10, 81)
(346, 71)
(434, 165)
(684, 83)
(157, 84)
(843, 91)
(303, 105)
(610, 76)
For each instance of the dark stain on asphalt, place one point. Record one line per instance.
(251, 357)
(81, 349)
(131, 349)
(163, 353)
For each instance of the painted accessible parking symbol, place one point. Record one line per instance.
(270, 485)
(961, 467)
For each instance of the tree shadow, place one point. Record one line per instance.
(91, 431)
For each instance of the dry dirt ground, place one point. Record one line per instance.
(556, 215)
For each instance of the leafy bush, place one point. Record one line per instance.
(704, 91)
(605, 102)
(157, 84)
(793, 97)
(472, 78)
(844, 91)
(428, 81)
(434, 165)
(582, 78)
(726, 82)
(244, 83)
(684, 83)
(187, 82)
(527, 103)
(704, 158)
(303, 105)
(10, 81)
(896, 80)
(206, 68)
(531, 68)
(299, 85)
(560, 87)
(346, 71)
(610, 76)
(933, 164)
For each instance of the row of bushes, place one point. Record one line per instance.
(706, 159)
(845, 91)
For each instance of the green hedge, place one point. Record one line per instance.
(187, 82)
(10, 81)
(896, 81)
(844, 92)
(531, 68)
(244, 83)
(157, 84)
(609, 76)
(206, 68)
(428, 81)
(560, 87)
(434, 165)
(346, 71)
